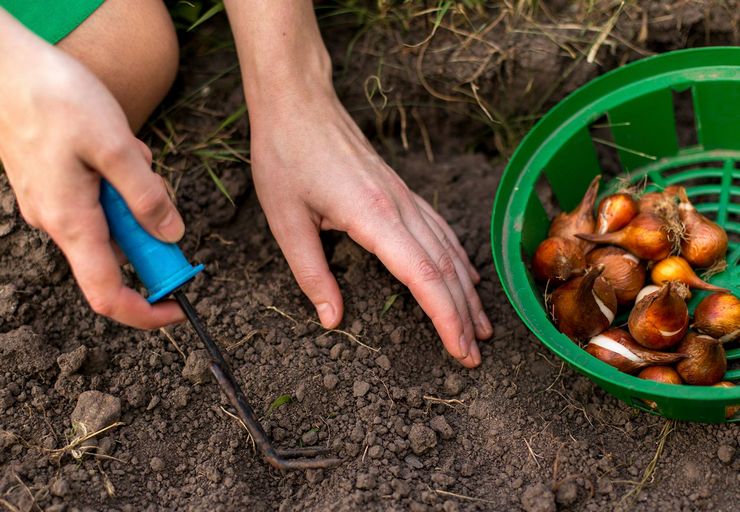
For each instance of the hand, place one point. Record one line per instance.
(313, 169)
(60, 131)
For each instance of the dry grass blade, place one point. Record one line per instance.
(603, 35)
(174, 343)
(8, 506)
(449, 403)
(349, 335)
(649, 474)
(462, 496)
(75, 447)
(237, 418)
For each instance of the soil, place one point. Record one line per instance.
(415, 430)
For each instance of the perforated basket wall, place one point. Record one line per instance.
(669, 119)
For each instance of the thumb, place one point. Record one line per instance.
(299, 240)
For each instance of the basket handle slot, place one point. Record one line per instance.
(572, 168)
(717, 110)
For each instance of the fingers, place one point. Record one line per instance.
(299, 240)
(483, 328)
(127, 166)
(84, 239)
(431, 212)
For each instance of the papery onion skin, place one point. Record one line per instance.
(718, 315)
(580, 220)
(558, 259)
(623, 271)
(660, 320)
(617, 348)
(704, 242)
(575, 309)
(645, 237)
(706, 363)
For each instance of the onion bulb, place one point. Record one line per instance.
(675, 268)
(584, 306)
(651, 288)
(718, 315)
(618, 349)
(580, 220)
(645, 237)
(706, 362)
(660, 320)
(615, 211)
(664, 374)
(704, 242)
(558, 259)
(622, 270)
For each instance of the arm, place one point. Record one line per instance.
(314, 169)
(61, 131)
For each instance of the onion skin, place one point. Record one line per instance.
(558, 259)
(730, 410)
(660, 320)
(615, 212)
(653, 201)
(675, 268)
(706, 363)
(575, 310)
(664, 374)
(648, 290)
(705, 242)
(631, 357)
(622, 270)
(718, 315)
(645, 237)
(580, 220)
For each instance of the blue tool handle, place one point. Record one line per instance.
(161, 266)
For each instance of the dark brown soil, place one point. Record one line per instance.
(415, 430)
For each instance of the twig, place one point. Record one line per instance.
(448, 403)
(172, 340)
(649, 472)
(347, 334)
(462, 496)
(534, 455)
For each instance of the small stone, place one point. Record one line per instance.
(413, 461)
(310, 438)
(439, 425)
(197, 367)
(330, 381)
(725, 453)
(567, 493)
(59, 487)
(360, 388)
(300, 391)
(383, 362)
(375, 451)
(422, 438)
(414, 396)
(96, 410)
(397, 336)
(538, 498)
(454, 384)
(336, 351)
(365, 481)
(72, 361)
(156, 464)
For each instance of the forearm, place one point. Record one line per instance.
(281, 53)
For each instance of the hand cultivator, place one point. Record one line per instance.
(164, 270)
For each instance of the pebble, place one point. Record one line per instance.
(360, 388)
(72, 361)
(422, 438)
(439, 425)
(383, 362)
(156, 464)
(96, 410)
(300, 391)
(538, 498)
(725, 453)
(454, 384)
(330, 381)
(197, 367)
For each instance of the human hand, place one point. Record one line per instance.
(60, 132)
(314, 170)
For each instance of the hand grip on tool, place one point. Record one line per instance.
(163, 269)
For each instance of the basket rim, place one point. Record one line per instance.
(693, 64)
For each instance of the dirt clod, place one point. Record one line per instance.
(365, 481)
(157, 464)
(59, 487)
(25, 352)
(567, 493)
(197, 367)
(72, 361)
(96, 410)
(360, 388)
(538, 498)
(330, 381)
(439, 425)
(454, 384)
(725, 453)
(422, 438)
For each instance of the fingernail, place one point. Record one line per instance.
(475, 353)
(326, 313)
(485, 324)
(464, 346)
(171, 228)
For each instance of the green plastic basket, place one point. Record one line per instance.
(639, 101)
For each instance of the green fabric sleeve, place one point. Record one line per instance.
(51, 19)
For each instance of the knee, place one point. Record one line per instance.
(132, 47)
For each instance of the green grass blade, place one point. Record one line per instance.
(279, 402)
(210, 13)
(218, 183)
